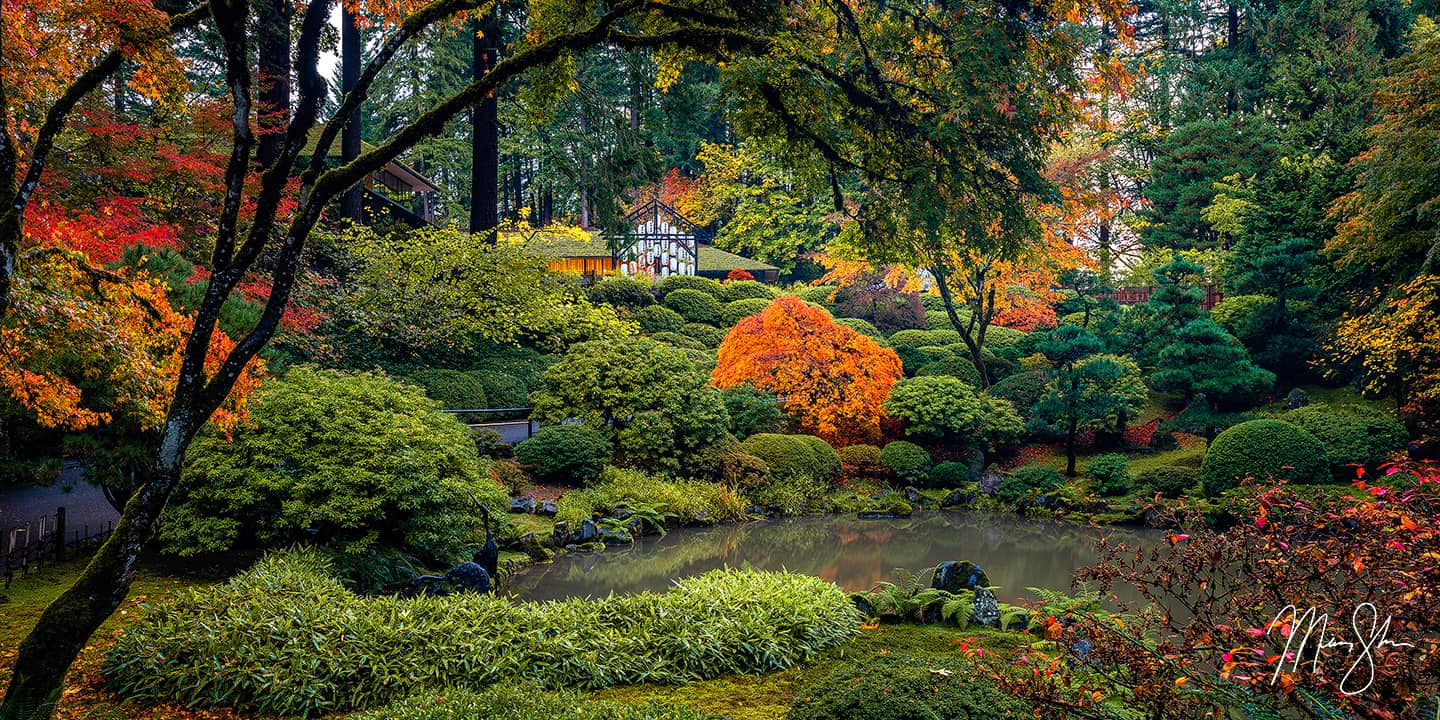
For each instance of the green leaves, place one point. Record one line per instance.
(286, 638)
(947, 407)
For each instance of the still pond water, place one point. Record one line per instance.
(1016, 552)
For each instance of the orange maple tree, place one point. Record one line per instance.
(832, 378)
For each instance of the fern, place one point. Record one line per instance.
(959, 609)
(1054, 602)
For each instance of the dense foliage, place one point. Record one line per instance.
(353, 460)
(906, 688)
(299, 643)
(520, 702)
(947, 408)
(652, 402)
(565, 453)
(1263, 450)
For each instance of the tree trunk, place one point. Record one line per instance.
(274, 77)
(351, 203)
(1070, 436)
(45, 656)
(485, 134)
(973, 342)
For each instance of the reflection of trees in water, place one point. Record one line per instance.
(1015, 551)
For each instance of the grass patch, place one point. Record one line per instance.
(522, 524)
(768, 696)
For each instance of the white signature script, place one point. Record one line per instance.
(1371, 634)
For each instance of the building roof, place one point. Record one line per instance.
(557, 245)
(416, 181)
(713, 258)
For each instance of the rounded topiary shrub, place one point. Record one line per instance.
(861, 456)
(656, 319)
(909, 462)
(690, 282)
(621, 291)
(1171, 481)
(502, 390)
(751, 410)
(1109, 474)
(827, 461)
(565, 453)
(1264, 450)
(354, 461)
(733, 290)
(675, 339)
(455, 390)
(788, 456)
(726, 461)
(819, 294)
(864, 327)
(1023, 390)
(950, 475)
(959, 367)
(1352, 435)
(695, 305)
(899, 687)
(999, 336)
(707, 334)
(921, 338)
(1027, 480)
(738, 310)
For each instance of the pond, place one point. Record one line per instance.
(1016, 552)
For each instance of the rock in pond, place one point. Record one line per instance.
(522, 505)
(546, 508)
(990, 481)
(588, 531)
(956, 576)
(958, 498)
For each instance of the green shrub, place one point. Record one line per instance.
(1352, 435)
(738, 310)
(521, 702)
(733, 290)
(864, 327)
(1263, 449)
(510, 476)
(912, 359)
(522, 363)
(354, 461)
(957, 367)
(1236, 313)
(861, 456)
(999, 336)
(726, 462)
(751, 410)
(675, 339)
(1109, 474)
(818, 294)
(696, 306)
(653, 402)
(827, 461)
(658, 319)
(565, 453)
(690, 282)
(455, 390)
(797, 478)
(1029, 479)
(286, 638)
(686, 501)
(909, 462)
(1171, 481)
(621, 291)
(950, 475)
(900, 687)
(1023, 390)
(502, 390)
(921, 338)
(709, 335)
(941, 406)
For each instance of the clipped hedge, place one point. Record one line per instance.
(1109, 474)
(733, 290)
(709, 335)
(521, 702)
(453, 389)
(621, 291)
(738, 310)
(675, 339)
(957, 367)
(285, 637)
(1023, 390)
(1263, 449)
(1171, 481)
(902, 687)
(696, 306)
(950, 475)
(751, 410)
(861, 456)
(726, 462)
(798, 474)
(818, 294)
(827, 461)
(864, 327)
(1352, 435)
(565, 453)
(909, 462)
(688, 502)
(921, 338)
(658, 319)
(502, 390)
(690, 282)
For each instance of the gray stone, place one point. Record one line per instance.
(912, 495)
(975, 466)
(986, 609)
(956, 576)
(1297, 399)
(616, 537)
(990, 480)
(588, 531)
(546, 508)
(522, 505)
(958, 498)
(560, 535)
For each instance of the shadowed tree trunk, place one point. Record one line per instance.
(351, 206)
(485, 133)
(273, 113)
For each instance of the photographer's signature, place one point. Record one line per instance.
(1310, 632)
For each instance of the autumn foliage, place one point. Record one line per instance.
(832, 378)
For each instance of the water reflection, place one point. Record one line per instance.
(1016, 552)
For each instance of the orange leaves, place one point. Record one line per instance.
(832, 378)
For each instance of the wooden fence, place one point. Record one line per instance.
(32, 544)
